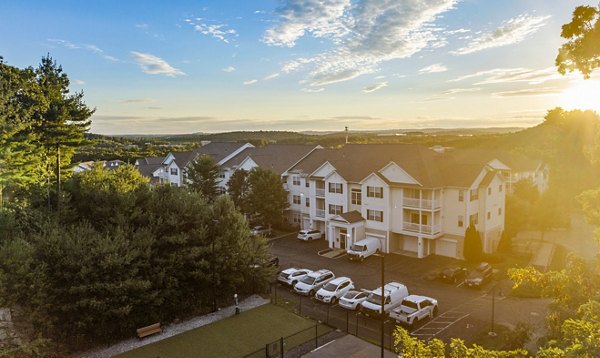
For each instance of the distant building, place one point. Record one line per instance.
(176, 163)
(277, 157)
(83, 167)
(152, 168)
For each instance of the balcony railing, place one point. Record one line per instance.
(286, 187)
(421, 203)
(424, 229)
(320, 213)
(320, 192)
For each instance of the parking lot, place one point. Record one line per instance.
(463, 312)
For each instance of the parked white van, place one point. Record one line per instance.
(394, 293)
(363, 249)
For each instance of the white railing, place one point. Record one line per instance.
(424, 229)
(286, 187)
(320, 192)
(320, 213)
(421, 203)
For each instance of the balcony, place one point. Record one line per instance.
(286, 187)
(320, 192)
(320, 213)
(421, 203)
(423, 229)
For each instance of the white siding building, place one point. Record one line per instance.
(416, 201)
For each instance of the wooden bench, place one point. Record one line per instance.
(148, 330)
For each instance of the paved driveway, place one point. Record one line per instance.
(463, 312)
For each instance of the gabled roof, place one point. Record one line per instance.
(349, 217)
(217, 150)
(515, 161)
(147, 166)
(277, 157)
(487, 179)
(150, 160)
(355, 162)
(429, 168)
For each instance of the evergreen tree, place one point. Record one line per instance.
(19, 96)
(203, 176)
(267, 198)
(62, 122)
(239, 189)
(472, 247)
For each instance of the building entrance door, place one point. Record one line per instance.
(343, 236)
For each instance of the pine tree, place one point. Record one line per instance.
(203, 177)
(62, 122)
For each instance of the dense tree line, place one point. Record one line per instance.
(116, 254)
(120, 255)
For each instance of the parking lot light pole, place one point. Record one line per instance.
(492, 333)
(382, 300)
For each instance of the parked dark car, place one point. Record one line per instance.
(453, 274)
(478, 277)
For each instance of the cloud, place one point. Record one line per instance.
(457, 31)
(88, 47)
(154, 65)
(313, 90)
(229, 69)
(435, 68)
(543, 91)
(249, 82)
(363, 34)
(78, 82)
(460, 90)
(510, 32)
(320, 18)
(218, 31)
(374, 87)
(271, 76)
(512, 75)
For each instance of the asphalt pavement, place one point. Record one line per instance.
(463, 312)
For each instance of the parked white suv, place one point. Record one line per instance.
(309, 235)
(415, 308)
(334, 290)
(352, 299)
(292, 275)
(312, 282)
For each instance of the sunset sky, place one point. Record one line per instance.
(208, 66)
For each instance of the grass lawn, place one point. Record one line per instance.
(231, 337)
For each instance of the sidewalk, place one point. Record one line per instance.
(172, 330)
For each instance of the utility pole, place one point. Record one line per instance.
(346, 129)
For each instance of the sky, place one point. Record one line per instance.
(158, 67)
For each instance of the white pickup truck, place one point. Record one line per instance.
(413, 309)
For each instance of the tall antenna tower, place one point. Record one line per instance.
(346, 134)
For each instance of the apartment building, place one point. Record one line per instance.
(415, 200)
(171, 169)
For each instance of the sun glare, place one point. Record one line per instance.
(583, 94)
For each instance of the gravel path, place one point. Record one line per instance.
(173, 329)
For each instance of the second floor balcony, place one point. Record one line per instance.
(426, 204)
(423, 229)
(320, 213)
(320, 192)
